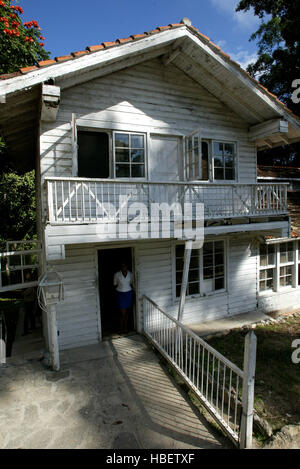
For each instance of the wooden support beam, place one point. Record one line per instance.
(268, 129)
(50, 102)
(168, 58)
(185, 276)
(248, 391)
(54, 349)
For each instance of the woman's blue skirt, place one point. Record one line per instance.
(125, 299)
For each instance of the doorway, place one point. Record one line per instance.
(109, 262)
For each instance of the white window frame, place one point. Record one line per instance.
(286, 264)
(267, 267)
(201, 293)
(235, 165)
(114, 132)
(294, 264)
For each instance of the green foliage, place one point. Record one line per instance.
(278, 64)
(21, 44)
(17, 207)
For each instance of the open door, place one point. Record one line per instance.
(196, 157)
(109, 262)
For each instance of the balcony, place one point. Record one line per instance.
(83, 201)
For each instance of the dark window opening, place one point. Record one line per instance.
(93, 154)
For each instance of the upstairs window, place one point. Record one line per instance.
(129, 155)
(209, 160)
(93, 154)
(224, 160)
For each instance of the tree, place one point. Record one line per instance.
(21, 44)
(17, 208)
(278, 63)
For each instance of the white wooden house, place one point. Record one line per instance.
(163, 116)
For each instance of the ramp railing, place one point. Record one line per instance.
(224, 389)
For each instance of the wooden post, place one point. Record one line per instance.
(248, 391)
(185, 276)
(54, 350)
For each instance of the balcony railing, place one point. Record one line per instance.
(78, 200)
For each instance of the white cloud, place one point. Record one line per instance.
(243, 57)
(245, 20)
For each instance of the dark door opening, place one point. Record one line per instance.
(93, 154)
(109, 262)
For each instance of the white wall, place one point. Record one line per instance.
(146, 98)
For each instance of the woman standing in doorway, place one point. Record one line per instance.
(123, 281)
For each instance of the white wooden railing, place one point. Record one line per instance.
(225, 390)
(77, 200)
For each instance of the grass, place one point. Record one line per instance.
(277, 382)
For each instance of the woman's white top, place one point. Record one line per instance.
(122, 283)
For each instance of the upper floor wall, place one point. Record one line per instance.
(140, 116)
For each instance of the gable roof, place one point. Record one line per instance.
(180, 44)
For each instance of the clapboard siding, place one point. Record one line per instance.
(156, 277)
(149, 98)
(78, 315)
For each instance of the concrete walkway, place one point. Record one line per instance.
(113, 395)
(210, 328)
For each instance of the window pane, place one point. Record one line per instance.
(122, 171)
(219, 271)
(285, 276)
(14, 260)
(208, 272)
(218, 162)
(266, 279)
(193, 275)
(219, 284)
(219, 259)
(286, 253)
(229, 174)
(219, 246)
(180, 250)
(219, 174)
(218, 149)
(137, 171)
(137, 141)
(204, 161)
(178, 278)
(193, 288)
(229, 150)
(208, 248)
(122, 156)
(208, 260)
(137, 156)
(122, 140)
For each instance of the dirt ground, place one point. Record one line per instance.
(277, 383)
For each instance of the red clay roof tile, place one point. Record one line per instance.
(28, 69)
(138, 36)
(95, 48)
(79, 53)
(6, 76)
(44, 63)
(124, 40)
(63, 58)
(109, 44)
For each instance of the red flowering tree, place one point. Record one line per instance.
(21, 44)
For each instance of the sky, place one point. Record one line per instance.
(71, 25)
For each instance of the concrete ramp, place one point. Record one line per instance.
(113, 395)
